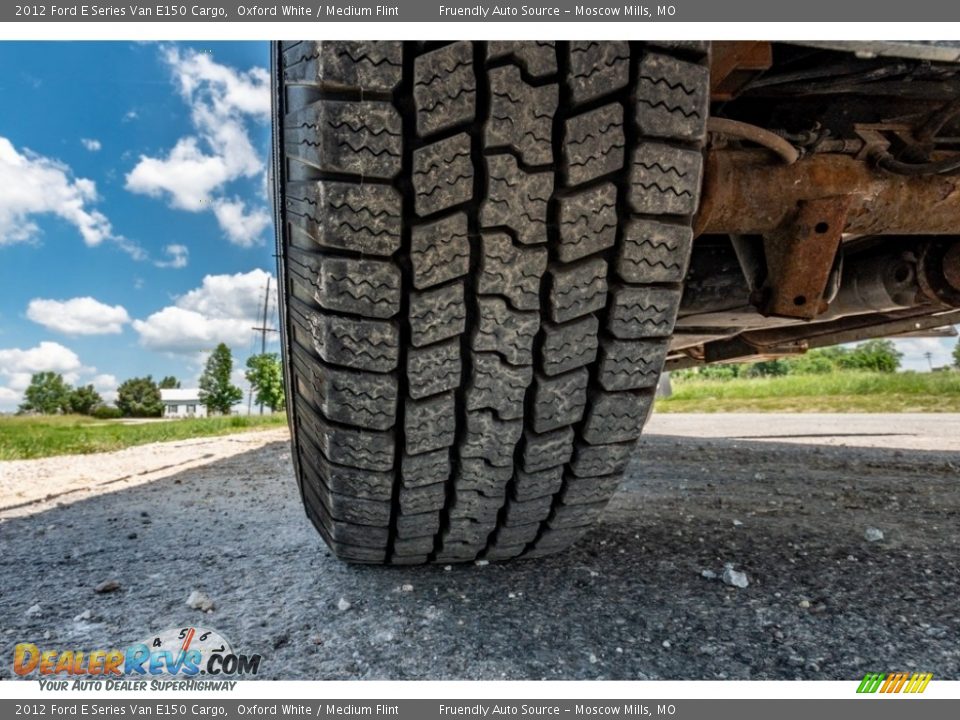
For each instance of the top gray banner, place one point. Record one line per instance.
(568, 11)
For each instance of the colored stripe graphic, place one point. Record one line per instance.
(894, 683)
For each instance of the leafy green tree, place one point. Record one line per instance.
(769, 368)
(47, 394)
(217, 393)
(169, 383)
(139, 397)
(266, 377)
(82, 400)
(956, 356)
(873, 355)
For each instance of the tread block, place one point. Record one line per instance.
(440, 251)
(476, 474)
(673, 98)
(595, 460)
(345, 216)
(490, 438)
(597, 68)
(537, 57)
(364, 449)
(360, 537)
(416, 549)
(470, 535)
(547, 450)
(631, 364)
(529, 485)
(353, 342)
(442, 174)
(425, 469)
(424, 498)
(418, 525)
(367, 400)
(361, 138)
(364, 287)
(639, 312)
(593, 144)
(372, 66)
(553, 540)
(506, 331)
(433, 369)
(577, 289)
(521, 116)
(559, 400)
(475, 506)
(588, 222)
(519, 534)
(437, 314)
(429, 424)
(524, 512)
(569, 345)
(444, 88)
(616, 417)
(516, 199)
(495, 385)
(346, 480)
(665, 180)
(654, 252)
(511, 271)
(573, 516)
(588, 490)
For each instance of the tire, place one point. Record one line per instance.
(481, 255)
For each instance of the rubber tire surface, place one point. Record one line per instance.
(482, 252)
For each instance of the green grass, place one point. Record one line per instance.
(42, 436)
(835, 392)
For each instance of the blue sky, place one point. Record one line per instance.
(135, 227)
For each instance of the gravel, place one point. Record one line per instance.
(630, 601)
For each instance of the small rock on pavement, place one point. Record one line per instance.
(708, 574)
(481, 563)
(734, 578)
(873, 534)
(107, 586)
(200, 601)
(343, 605)
(85, 615)
(406, 587)
(33, 610)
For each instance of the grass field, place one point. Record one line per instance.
(42, 436)
(833, 392)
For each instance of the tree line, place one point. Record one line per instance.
(870, 356)
(49, 394)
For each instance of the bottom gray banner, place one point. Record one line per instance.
(876, 708)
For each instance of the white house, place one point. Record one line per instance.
(182, 403)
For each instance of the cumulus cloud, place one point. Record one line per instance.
(223, 309)
(91, 144)
(192, 176)
(178, 254)
(105, 384)
(36, 185)
(17, 365)
(78, 316)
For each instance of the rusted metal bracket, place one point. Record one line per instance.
(800, 255)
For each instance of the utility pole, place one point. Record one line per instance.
(263, 330)
(929, 356)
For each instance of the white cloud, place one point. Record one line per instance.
(178, 254)
(78, 316)
(17, 365)
(36, 185)
(194, 173)
(223, 309)
(106, 385)
(130, 115)
(241, 227)
(91, 144)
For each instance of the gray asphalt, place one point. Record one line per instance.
(629, 602)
